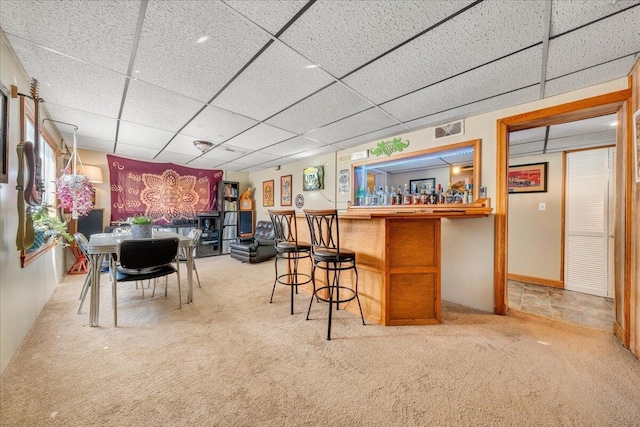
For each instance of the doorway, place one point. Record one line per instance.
(614, 103)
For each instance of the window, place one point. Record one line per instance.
(48, 156)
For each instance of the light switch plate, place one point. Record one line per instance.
(542, 206)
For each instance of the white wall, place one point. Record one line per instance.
(531, 228)
(23, 291)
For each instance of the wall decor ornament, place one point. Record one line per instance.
(267, 193)
(389, 147)
(344, 181)
(299, 201)
(313, 178)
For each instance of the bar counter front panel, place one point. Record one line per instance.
(398, 261)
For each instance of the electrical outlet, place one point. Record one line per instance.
(542, 206)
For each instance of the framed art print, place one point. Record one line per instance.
(285, 190)
(267, 193)
(313, 178)
(531, 178)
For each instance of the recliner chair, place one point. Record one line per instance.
(258, 248)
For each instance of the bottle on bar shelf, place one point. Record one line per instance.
(387, 196)
(449, 196)
(392, 196)
(406, 196)
(367, 198)
(399, 196)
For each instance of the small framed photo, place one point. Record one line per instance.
(530, 178)
(285, 190)
(416, 185)
(313, 178)
(267, 193)
(636, 144)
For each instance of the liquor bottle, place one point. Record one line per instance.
(374, 197)
(406, 196)
(380, 196)
(449, 195)
(433, 197)
(399, 196)
(441, 195)
(424, 197)
(367, 198)
(392, 196)
(387, 196)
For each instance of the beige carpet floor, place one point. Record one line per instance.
(233, 359)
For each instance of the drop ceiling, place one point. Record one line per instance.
(272, 82)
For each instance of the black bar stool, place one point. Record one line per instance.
(329, 256)
(287, 247)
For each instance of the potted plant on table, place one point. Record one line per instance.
(141, 227)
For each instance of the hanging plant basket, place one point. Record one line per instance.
(75, 193)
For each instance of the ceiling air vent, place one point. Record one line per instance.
(449, 129)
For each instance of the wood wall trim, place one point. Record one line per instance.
(563, 217)
(628, 228)
(537, 280)
(577, 110)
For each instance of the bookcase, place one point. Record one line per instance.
(228, 208)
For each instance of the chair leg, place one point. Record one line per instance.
(85, 289)
(313, 282)
(179, 293)
(274, 281)
(357, 297)
(330, 305)
(197, 276)
(292, 278)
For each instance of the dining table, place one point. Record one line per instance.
(102, 244)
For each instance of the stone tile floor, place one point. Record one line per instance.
(560, 304)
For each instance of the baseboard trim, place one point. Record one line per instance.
(618, 331)
(536, 280)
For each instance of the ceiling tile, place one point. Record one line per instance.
(88, 143)
(176, 158)
(313, 152)
(234, 166)
(143, 136)
(225, 153)
(326, 106)
(258, 157)
(260, 136)
(466, 41)
(594, 44)
(89, 125)
(594, 125)
(66, 81)
(581, 141)
(170, 111)
(135, 151)
(489, 80)
(81, 28)
(292, 146)
(217, 125)
(254, 169)
(527, 148)
(183, 144)
(370, 137)
(527, 135)
(270, 15)
(203, 162)
(343, 35)
(589, 77)
(358, 124)
(499, 102)
(569, 14)
(169, 55)
(275, 80)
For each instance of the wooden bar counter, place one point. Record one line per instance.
(398, 259)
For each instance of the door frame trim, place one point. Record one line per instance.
(577, 110)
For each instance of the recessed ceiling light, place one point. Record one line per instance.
(203, 39)
(613, 124)
(311, 66)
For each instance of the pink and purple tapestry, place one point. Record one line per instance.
(162, 191)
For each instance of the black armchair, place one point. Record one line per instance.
(258, 248)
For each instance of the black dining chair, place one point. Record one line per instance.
(146, 259)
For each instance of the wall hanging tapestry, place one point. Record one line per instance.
(162, 191)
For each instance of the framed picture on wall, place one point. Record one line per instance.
(530, 178)
(636, 144)
(267, 193)
(4, 133)
(285, 190)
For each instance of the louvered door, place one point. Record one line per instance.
(587, 211)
